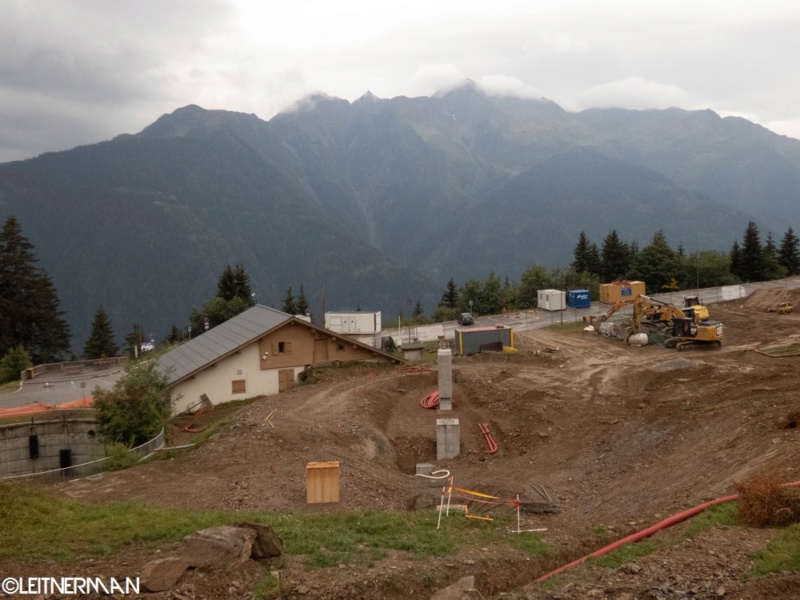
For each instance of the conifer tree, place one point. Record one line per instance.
(29, 307)
(751, 263)
(789, 253)
(586, 255)
(289, 304)
(101, 339)
(615, 257)
(450, 295)
(302, 301)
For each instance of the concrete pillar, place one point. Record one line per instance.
(448, 438)
(445, 364)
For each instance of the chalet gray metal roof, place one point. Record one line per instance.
(228, 337)
(220, 341)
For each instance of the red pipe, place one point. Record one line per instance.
(645, 533)
(431, 400)
(484, 427)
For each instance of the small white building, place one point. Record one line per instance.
(551, 300)
(354, 323)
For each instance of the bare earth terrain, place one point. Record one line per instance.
(620, 437)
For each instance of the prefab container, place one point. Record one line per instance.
(579, 299)
(551, 300)
(366, 323)
(472, 339)
(611, 293)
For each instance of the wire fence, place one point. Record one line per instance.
(88, 468)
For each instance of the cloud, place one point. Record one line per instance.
(633, 93)
(430, 79)
(503, 85)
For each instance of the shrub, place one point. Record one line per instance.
(138, 406)
(16, 360)
(764, 503)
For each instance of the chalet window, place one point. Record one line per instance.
(282, 348)
(340, 347)
(238, 386)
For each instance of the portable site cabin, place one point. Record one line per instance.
(611, 293)
(354, 323)
(473, 340)
(551, 300)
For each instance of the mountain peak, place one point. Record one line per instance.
(193, 120)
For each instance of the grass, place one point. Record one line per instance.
(782, 554)
(779, 350)
(572, 327)
(721, 515)
(37, 524)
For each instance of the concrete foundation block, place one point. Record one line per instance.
(448, 438)
(445, 372)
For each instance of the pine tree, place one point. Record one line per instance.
(29, 307)
(736, 259)
(226, 285)
(789, 253)
(101, 340)
(242, 285)
(175, 336)
(302, 301)
(289, 303)
(418, 310)
(134, 341)
(587, 257)
(235, 283)
(614, 257)
(450, 295)
(752, 255)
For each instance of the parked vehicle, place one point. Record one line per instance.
(465, 319)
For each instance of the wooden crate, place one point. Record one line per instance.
(322, 482)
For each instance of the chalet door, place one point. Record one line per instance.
(320, 351)
(285, 379)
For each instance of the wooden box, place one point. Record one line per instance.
(322, 482)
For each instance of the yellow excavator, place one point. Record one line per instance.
(682, 328)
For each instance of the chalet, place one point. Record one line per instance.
(258, 352)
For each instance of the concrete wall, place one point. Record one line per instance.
(81, 436)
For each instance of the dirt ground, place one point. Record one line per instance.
(619, 437)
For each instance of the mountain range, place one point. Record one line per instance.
(376, 203)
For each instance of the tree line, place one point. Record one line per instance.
(33, 329)
(661, 267)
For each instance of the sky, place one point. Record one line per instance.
(76, 72)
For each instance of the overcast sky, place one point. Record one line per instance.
(76, 72)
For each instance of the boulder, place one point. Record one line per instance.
(267, 543)
(162, 574)
(222, 547)
(463, 589)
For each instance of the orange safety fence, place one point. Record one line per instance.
(35, 408)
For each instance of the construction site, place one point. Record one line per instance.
(588, 433)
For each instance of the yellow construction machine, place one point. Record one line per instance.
(681, 328)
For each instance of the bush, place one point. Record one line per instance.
(138, 407)
(764, 503)
(12, 363)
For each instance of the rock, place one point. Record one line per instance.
(462, 589)
(222, 546)
(267, 543)
(162, 573)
